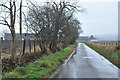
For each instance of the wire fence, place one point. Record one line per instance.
(28, 46)
(109, 43)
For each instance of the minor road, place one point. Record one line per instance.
(87, 63)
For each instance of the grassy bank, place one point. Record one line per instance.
(43, 67)
(108, 52)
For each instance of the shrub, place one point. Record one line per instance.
(20, 70)
(11, 75)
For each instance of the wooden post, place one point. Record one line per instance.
(117, 44)
(34, 47)
(24, 47)
(29, 46)
(109, 44)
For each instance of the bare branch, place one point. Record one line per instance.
(4, 6)
(3, 23)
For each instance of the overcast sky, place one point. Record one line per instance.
(100, 18)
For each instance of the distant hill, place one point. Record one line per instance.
(107, 37)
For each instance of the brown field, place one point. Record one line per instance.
(109, 49)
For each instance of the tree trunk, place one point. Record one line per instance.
(43, 49)
(21, 28)
(13, 44)
(53, 47)
(54, 41)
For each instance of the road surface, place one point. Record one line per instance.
(86, 63)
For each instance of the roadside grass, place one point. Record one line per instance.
(43, 67)
(110, 54)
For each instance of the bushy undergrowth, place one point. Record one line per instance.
(8, 64)
(41, 68)
(108, 52)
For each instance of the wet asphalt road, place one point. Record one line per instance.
(86, 63)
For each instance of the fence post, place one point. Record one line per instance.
(34, 47)
(106, 44)
(24, 47)
(117, 44)
(30, 46)
(109, 44)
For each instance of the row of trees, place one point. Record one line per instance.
(53, 23)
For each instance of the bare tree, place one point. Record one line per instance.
(11, 11)
(61, 18)
(51, 23)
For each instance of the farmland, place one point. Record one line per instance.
(28, 46)
(108, 49)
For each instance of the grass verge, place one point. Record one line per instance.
(43, 67)
(112, 56)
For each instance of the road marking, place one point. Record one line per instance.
(87, 57)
